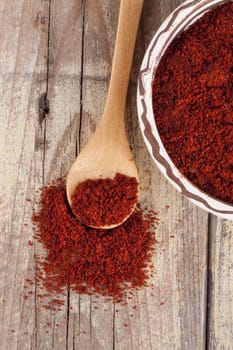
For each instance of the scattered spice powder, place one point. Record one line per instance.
(193, 102)
(103, 202)
(86, 260)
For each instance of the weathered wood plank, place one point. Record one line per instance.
(96, 317)
(221, 285)
(23, 55)
(61, 129)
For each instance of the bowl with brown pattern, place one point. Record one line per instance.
(178, 21)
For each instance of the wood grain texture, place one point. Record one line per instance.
(60, 130)
(96, 318)
(23, 50)
(64, 49)
(220, 335)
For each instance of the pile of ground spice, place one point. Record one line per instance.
(193, 102)
(105, 202)
(107, 262)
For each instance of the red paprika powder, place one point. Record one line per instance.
(193, 102)
(86, 260)
(105, 202)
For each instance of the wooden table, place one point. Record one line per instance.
(61, 50)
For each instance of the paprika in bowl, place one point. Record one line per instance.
(185, 102)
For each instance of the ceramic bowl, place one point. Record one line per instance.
(179, 20)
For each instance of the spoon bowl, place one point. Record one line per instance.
(105, 155)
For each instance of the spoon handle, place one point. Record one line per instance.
(129, 16)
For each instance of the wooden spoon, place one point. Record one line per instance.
(108, 151)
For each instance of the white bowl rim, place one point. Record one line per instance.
(184, 15)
